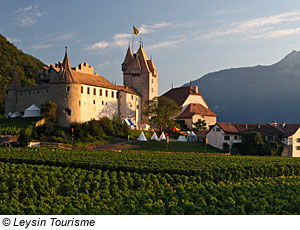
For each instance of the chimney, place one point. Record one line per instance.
(196, 88)
(246, 126)
(283, 124)
(258, 125)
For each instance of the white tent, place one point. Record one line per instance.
(142, 137)
(192, 137)
(182, 138)
(154, 137)
(32, 111)
(162, 137)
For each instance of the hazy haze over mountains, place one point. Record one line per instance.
(255, 94)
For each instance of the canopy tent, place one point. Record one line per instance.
(32, 111)
(192, 137)
(129, 123)
(182, 138)
(154, 137)
(175, 129)
(142, 137)
(162, 137)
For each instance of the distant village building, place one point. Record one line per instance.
(226, 134)
(82, 95)
(193, 106)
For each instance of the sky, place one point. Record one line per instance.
(186, 39)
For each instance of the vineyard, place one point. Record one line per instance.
(14, 126)
(53, 181)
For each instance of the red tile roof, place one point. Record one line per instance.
(180, 94)
(195, 108)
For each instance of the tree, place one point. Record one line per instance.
(200, 124)
(48, 111)
(161, 109)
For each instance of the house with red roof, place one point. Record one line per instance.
(192, 104)
(225, 134)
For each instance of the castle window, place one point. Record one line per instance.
(94, 91)
(68, 89)
(81, 89)
(88, 90)
(100, 92)
(131, 97)
(79, 103)
(38, 91)
(117, 95)
(94, 102)
(152, 90)
(68, 111)
(106, 93)
(102, 102)
(137, 107)
(112, 94)
(152, 81)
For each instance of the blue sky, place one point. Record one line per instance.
(186, 39)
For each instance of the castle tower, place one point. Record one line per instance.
(11, 96)
(65, 91)
(139, 74)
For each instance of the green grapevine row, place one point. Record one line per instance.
(40, 189)
(209, 168)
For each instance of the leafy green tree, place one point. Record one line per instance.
(200, 124)
(11, 58)
(161, 110)
(48, 111)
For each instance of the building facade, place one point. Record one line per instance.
(225, 134)
(192, 106)
(82, 95)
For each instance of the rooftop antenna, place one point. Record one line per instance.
(172, 85)
(66, 50)
(151, 57)
(190, 82)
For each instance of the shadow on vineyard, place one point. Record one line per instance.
(55, 181)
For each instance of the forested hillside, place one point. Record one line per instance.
(11, 58)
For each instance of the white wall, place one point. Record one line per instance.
(193, 99)
(295, 144)
(216, 138)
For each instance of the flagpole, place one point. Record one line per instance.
(132, 42)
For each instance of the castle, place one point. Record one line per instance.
(82, 95)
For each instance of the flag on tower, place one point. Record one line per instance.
(135, 31)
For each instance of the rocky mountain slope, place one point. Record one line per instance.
(255, 94)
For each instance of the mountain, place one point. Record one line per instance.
(28, 67)
(255, 94)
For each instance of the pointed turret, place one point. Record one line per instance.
(68, 76)
(128, 59)
(14, 84)
(143, 60)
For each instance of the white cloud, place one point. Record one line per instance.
(122, 39)
(41, 46)
(29, 15)
(166, 44)
(146, 29)
(258, 27)
(98, 45)
(278, 33)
